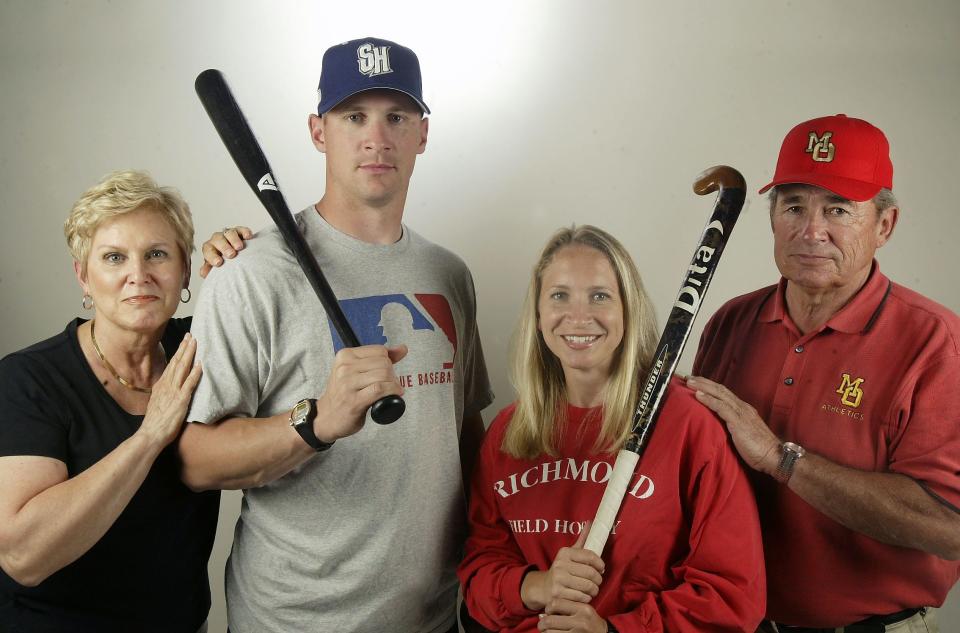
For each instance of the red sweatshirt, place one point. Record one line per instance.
(685, 554)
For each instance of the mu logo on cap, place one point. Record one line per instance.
(373, 60)
(850, 392)
(820, 148)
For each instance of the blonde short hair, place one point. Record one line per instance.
(538, 376)
(122, 192)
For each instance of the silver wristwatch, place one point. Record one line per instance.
(301, 418)
(790, 454)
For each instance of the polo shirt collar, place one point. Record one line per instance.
(855, 317)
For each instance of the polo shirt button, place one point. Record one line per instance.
(798, 348)
(788, 381)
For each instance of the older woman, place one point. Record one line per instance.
(685, 554)
(96, 531)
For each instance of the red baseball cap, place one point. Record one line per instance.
(847, 156)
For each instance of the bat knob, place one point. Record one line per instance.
(387, 410)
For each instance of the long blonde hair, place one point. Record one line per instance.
(536, 373)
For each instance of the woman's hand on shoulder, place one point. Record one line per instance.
(222, 244)
(574, 576)
(171, 394)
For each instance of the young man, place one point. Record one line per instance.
(840, 392)
(346, 525)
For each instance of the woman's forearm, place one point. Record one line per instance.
(61, 523)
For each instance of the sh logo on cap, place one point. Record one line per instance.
(373, 60)
(382, 65)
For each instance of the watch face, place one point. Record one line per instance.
(793, 448)
(300, 411)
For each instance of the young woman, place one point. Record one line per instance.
(685, 554)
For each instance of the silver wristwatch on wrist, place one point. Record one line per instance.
(301, 419)
(790, 454)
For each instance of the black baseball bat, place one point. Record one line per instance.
(239, 140)
(733, 191)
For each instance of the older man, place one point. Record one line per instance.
(839, 388)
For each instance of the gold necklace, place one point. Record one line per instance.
(126, 383)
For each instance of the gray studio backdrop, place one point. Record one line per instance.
(545, 113)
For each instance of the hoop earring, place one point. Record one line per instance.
(87, 302)
(189, 295)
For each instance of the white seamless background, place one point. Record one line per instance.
(546, 112)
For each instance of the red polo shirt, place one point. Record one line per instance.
(876, 388)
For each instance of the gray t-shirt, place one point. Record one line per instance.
(366, 536)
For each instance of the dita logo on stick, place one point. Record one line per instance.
(698, 274)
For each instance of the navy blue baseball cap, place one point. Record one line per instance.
(367, 64)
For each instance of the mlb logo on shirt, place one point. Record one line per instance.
(373, 60)
(424, 324)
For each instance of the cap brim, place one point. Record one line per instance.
(423, 106)
(855, 190)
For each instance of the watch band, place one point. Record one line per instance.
(301, 418)
(790, 454)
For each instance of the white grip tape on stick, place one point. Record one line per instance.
(610, 504)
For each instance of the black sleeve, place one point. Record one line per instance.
(30, 421)
(174, 333)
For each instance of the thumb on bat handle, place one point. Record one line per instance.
(717, 178)
(387, 410)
